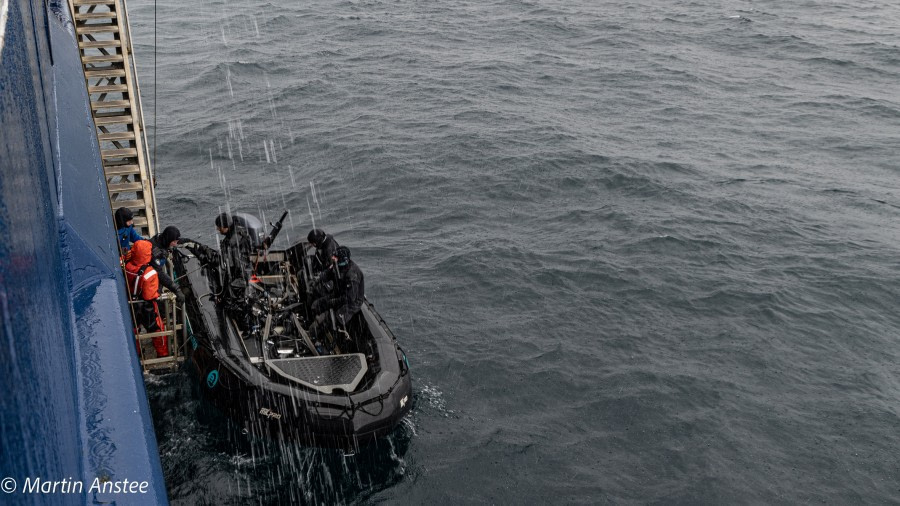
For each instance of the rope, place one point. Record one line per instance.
(189, 272)
(155, 89)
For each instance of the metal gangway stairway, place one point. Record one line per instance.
(103, 33)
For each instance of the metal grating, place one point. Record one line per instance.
(323, 374)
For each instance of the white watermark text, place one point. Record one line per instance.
(42, 486)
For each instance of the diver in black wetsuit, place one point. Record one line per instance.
(325, 246)
(162, 245)
(232, 261)
(345, 287)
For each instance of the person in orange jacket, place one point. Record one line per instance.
(143, 284)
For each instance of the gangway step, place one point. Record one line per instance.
(118, 153)
(95, 15)
(93, 74)
(102, 119)
(97, 28)
(125, 187)
(116, 163)
(103, 58)
(143, 336)
(108, 88)
(134, 204)
(153, 363)
(116, 136)
(110, 104)
(93, 44)
(122, 170)
(94, 2)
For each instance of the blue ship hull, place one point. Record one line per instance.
(74, 405)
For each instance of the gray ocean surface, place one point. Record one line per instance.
(636, 252)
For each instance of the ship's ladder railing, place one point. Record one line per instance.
(103, 33)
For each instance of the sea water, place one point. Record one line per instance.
(635, 251)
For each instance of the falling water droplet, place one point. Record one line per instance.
(315, 198)
(271, 99)
(312, 217)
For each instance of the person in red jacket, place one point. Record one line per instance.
(143, 284)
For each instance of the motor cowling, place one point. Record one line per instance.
(253, 226)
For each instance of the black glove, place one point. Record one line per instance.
(179, 296)
(193, 247)
(202, 252)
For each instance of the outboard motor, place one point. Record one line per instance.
(253, 226)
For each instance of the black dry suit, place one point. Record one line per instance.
(231, 262)
(325, 251)
(348, 293)
(326, 247)
(234, 261)
(161, 243)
